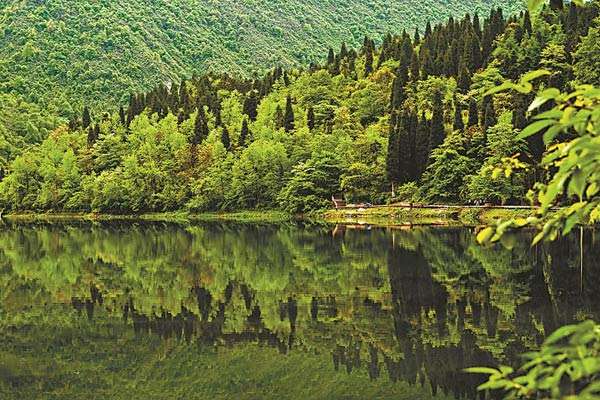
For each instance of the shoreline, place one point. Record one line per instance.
(381, 216)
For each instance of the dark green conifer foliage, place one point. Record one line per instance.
(527, 27)
(288, 122)
(459, 124)
(122, 116)
(398, 96)
(225, 139)
(477, 25)
(405, 148)
(519, 118)
(473, 113)
(415, 68)
(368, 60)
(93, 134)
(310, 118)
(489, 118)
(330, 57)
(251, 105)
(556, 4)
(279, 118)
(438, 133)
(422, 146)
(393, 151)
(200, 127)
(86, 118)
(244, 134)
(464, 79)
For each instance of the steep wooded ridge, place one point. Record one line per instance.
(64, 52)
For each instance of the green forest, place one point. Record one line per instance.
(410, 118)
(64, 53)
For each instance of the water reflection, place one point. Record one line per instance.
(415, 306)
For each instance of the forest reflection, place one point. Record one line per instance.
(413, 305)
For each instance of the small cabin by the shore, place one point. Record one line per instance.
(338, 201)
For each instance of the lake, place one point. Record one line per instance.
(263, 311)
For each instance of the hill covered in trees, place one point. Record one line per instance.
(63, 53)
(411, 114)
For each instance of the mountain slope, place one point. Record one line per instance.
(66, 52)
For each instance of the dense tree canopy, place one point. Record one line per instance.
(412, 111)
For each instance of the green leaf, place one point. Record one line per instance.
(528, 77)
(501, 88)
(561, 333)
(534, 5)
(534, 128)
(482, 370)
(485, 235)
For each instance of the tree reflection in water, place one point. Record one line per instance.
(415, 305)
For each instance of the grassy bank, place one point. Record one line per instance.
(380, 216)
(266, 216)
(401, 216)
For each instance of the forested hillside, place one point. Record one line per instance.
(411, 114)
(64, 52)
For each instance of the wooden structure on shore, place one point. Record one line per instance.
(338, 201)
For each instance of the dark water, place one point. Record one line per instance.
(284, 312)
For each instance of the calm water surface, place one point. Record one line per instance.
(238, 311)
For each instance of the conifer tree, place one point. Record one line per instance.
(244, 134)
(86, 118)
(473, 113)
(251, 105)
(422, 146)
(310, 118)
(330, 57)
(393, 153)
(458, 125)
(464, 79)
(200, 127)
(368, 61)
(398, 97)
(438, 133)
(122, 116)
(279, 118)
(489, 118)
(519, 118)
(415, 68)
(527, 23)
(288, 121)
(405, 148)
(225, 139)
(556, 4)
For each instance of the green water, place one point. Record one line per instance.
(239, 311)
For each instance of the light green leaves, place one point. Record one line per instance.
(566, 367)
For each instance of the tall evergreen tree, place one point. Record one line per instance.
(225, 139)
(279, 117)
(519, 118)
(438, 133)
(459, 124)
(200, 127)
(489, 118)
(288, 118)
(556, 4)
(86, 118)
(244, 134)
(122, 116)
(310, 118)
(393, 153)
(368, 61)
(422, 146)
(251, 105)
(473, 113)
(405, 148)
